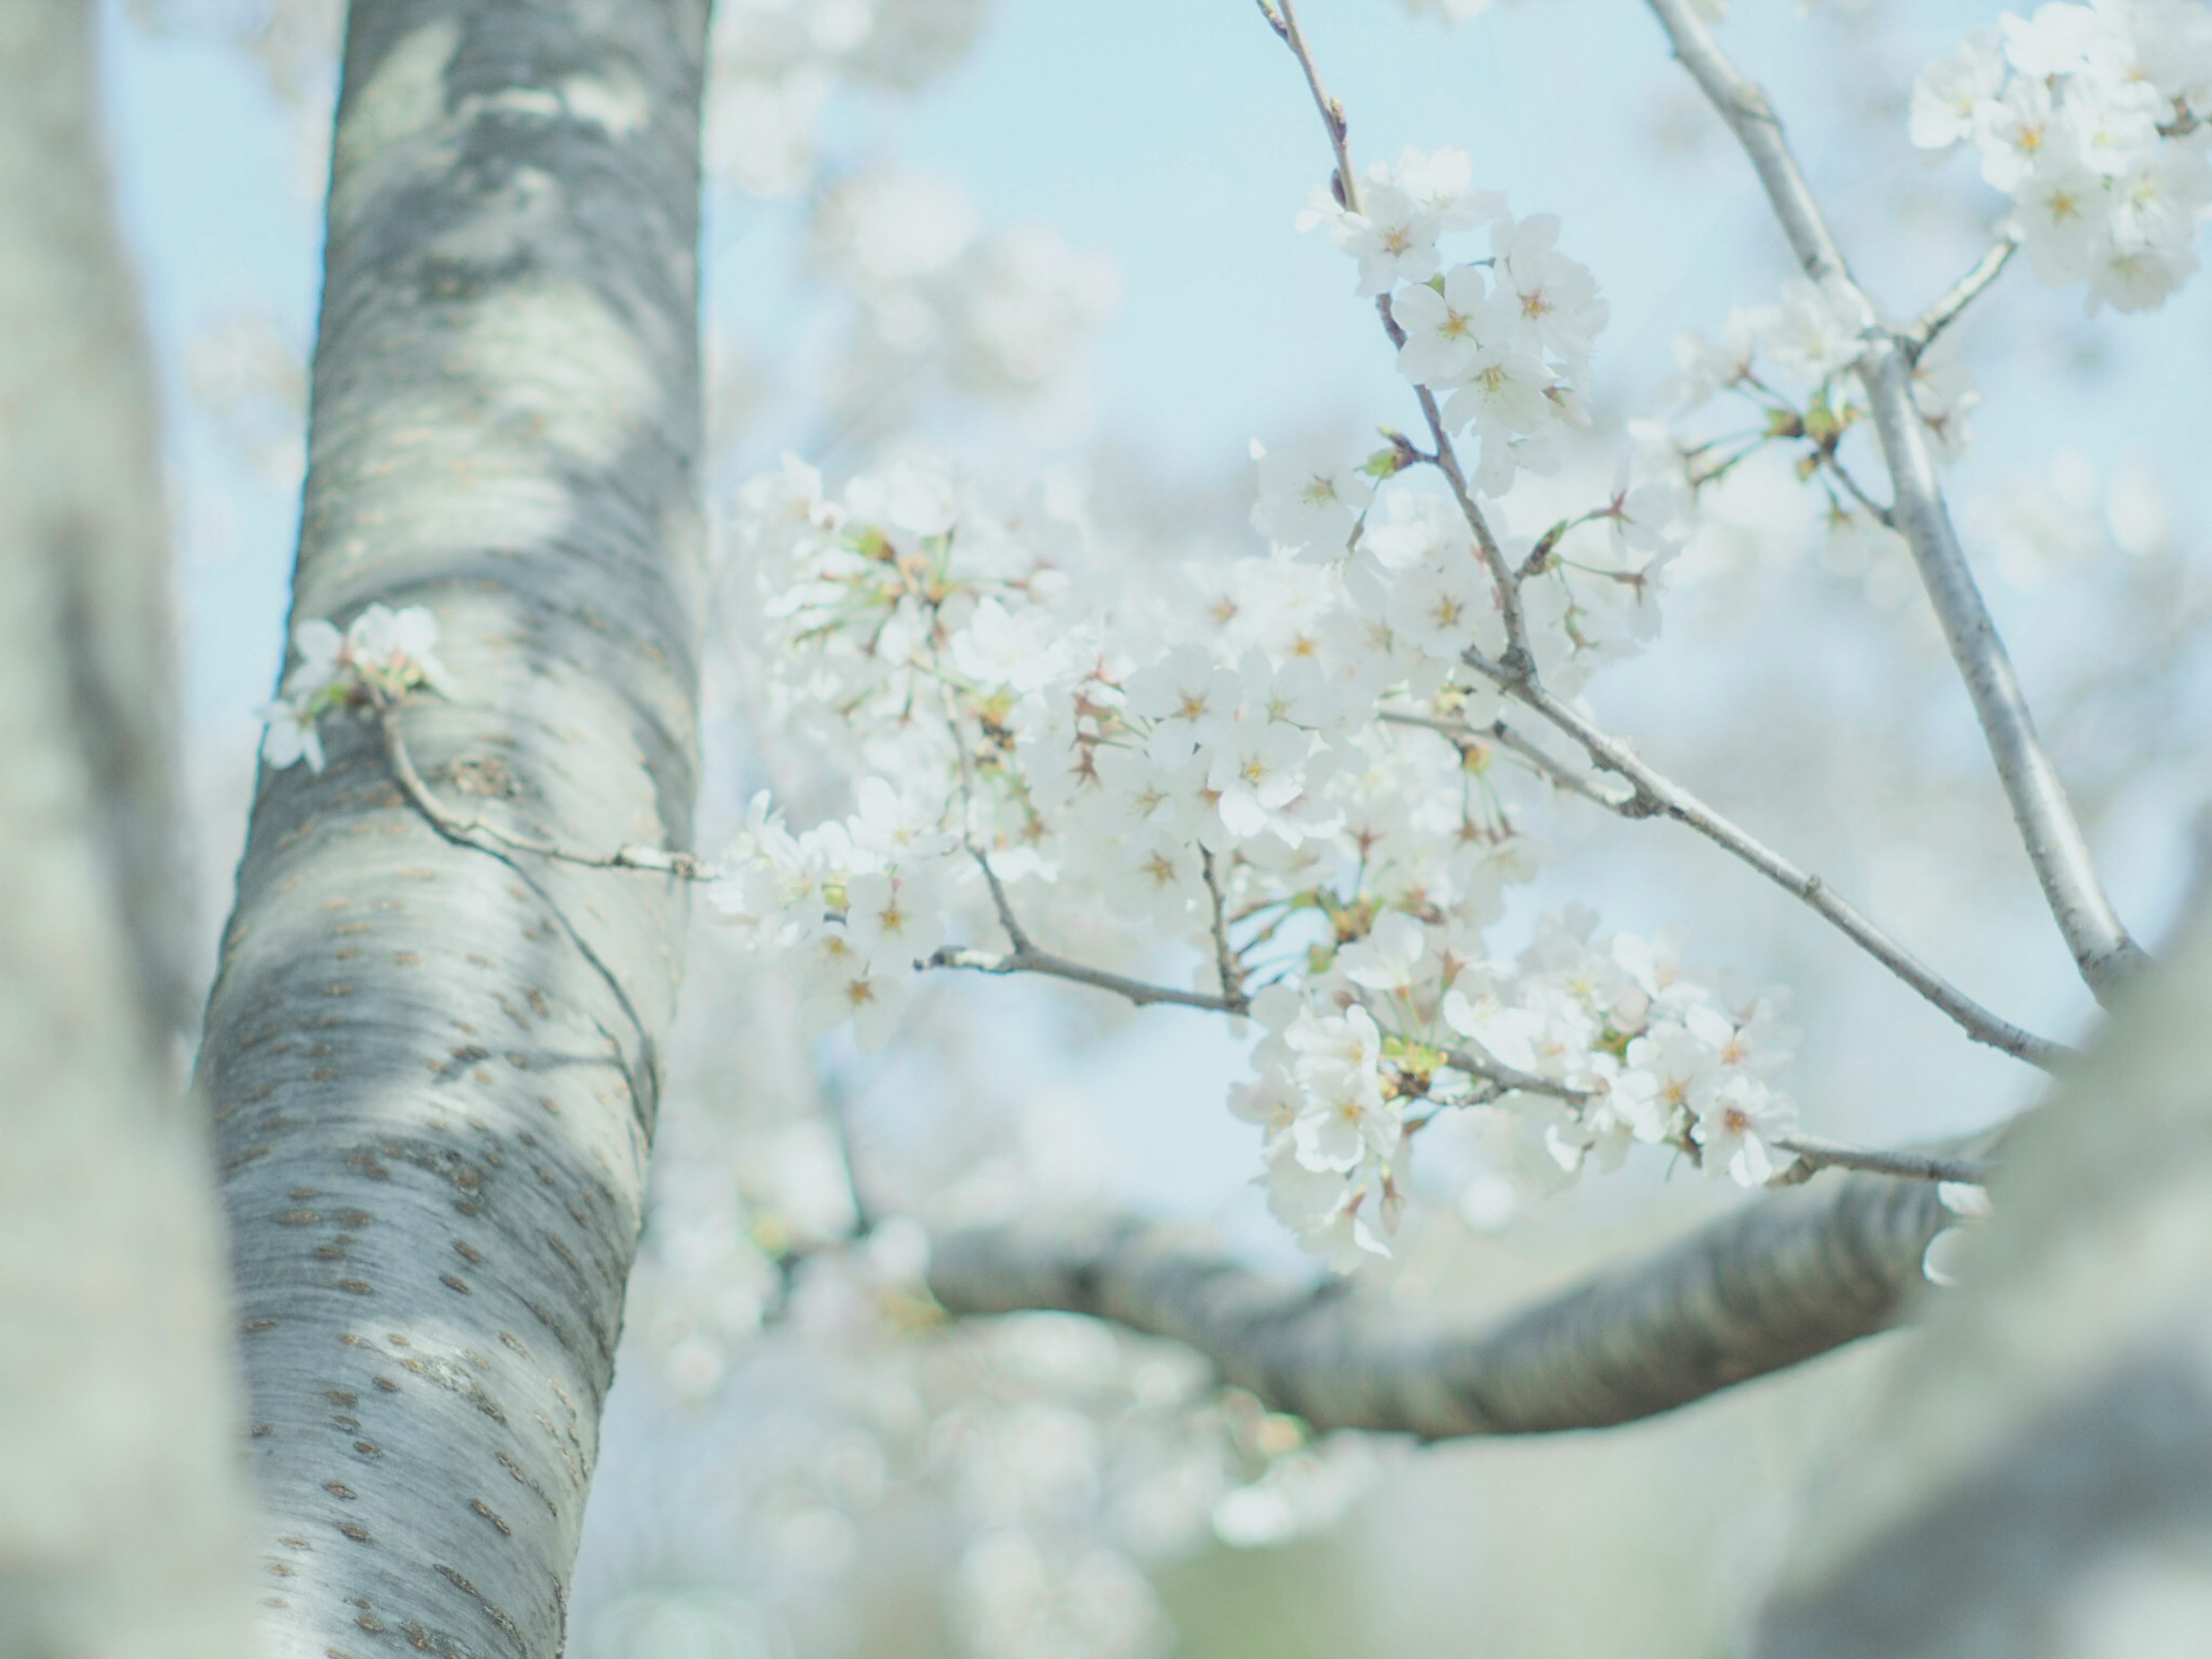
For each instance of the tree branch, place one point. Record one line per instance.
(482, 833)
(1961, 293)
(1657, 796)
(1519, 658)
(2101, 947)
(1026, 958)
(1791, 1276)
(1815, 1154)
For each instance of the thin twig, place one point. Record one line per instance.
(2101, 946)
(1518, 656)
(1478, 1061)
(1961, 293)
(1814, 1152)
(1657, 795)
(1030, 960)
(1553, 770)
(1002, 904)
(1880, 514)
(482, 833)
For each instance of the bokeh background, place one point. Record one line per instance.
(1057, 237)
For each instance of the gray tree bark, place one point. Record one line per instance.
(2038, 1484)
(434, 1069)
(1774, 1284)
(122, 1514)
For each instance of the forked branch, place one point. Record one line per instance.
(1652, 795)
(2102, 949)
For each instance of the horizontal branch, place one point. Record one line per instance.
(1791, 1276)
(1815, 1154)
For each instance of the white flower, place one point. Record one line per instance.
(1445, 330)
(895, 826)
(911, 496)
(1189, 697)
(1508, 1036)
(1393, 236)
(1503, 396)
(1349, 1040)
(2060, 40)
(1297, 692)
(1442, 181)
(2013, 130)
(1816, 332)
(837, 983)
(1949, 91)
(2061, 214)
(1737, 1129)
(1257, 766)
(1323, 1209)
(1553, 299)
(396, 646)
(891, 922)
(1343, 1119)
(997, 648)
(1674, 1069)
(1311, 494)
(322, 659)
(1156, 879)
(289, 736)
(1388, 959)
(1436, 607)
(1413, 529)
(2114, 128)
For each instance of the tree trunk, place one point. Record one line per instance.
(2038, 1486)
(122, 1516)
(435, 1068)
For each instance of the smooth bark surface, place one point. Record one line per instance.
(435, 1068)
(1792, 1276)
(122, 1514)
(2038, 1486)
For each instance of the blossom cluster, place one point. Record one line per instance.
(1503, 343)
(1592, 1048)
(2091, 119)
(1281, 765)
(382, 653)
(1777, 380)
